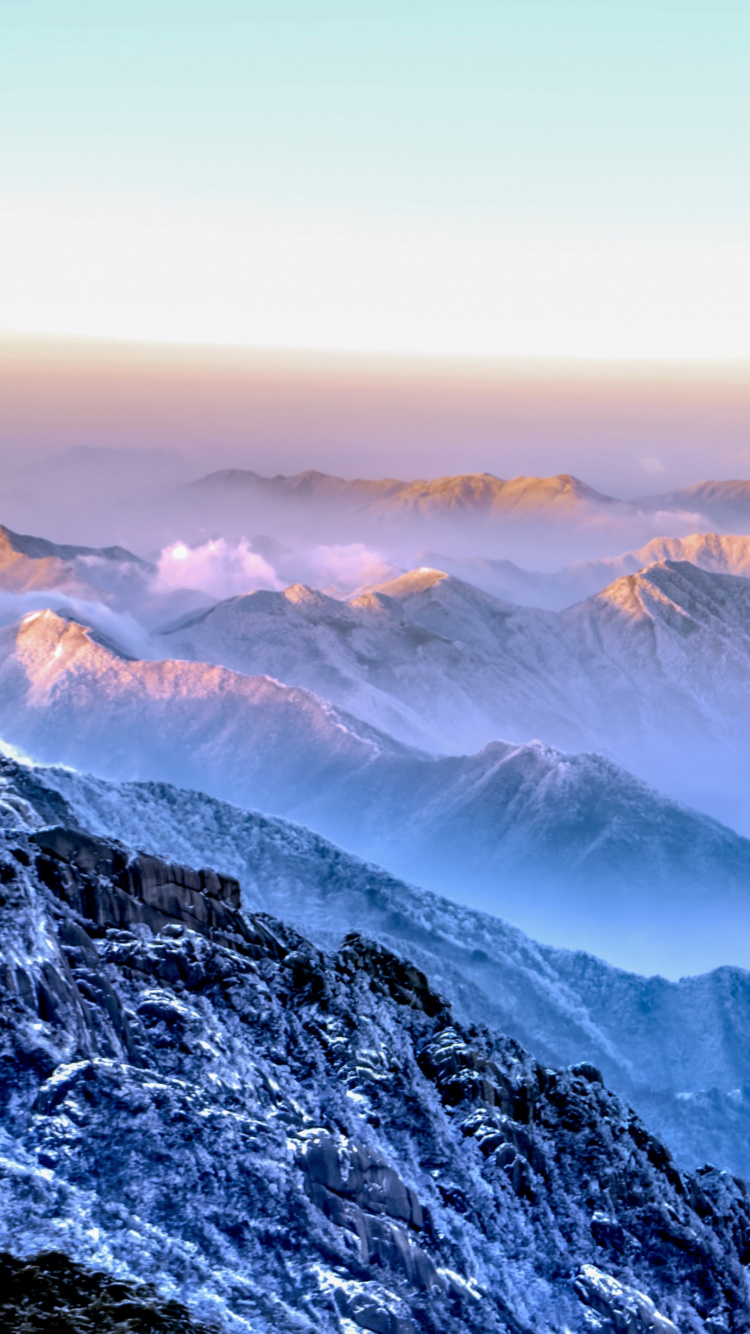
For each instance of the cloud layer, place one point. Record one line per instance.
(217, 567)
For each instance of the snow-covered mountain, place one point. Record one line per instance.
(307, 1140)
(719, 553)
(572, 848)
(651, 670)
(725, 504)
(76, 696)
(676, 1050)
(31, 563)
(427, 657)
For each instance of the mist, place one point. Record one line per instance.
(172, 498)
(624, 427)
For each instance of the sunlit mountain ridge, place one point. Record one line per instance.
(720, 553)
(522, 830)
(652, 669)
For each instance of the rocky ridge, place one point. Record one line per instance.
(289, 1139)
(675, 1050)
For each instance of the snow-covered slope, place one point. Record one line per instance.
(69, 694)
(427, 657)
(570, 847)
(292, 1141)
(651, 670)
(676, 1050)
(717, 552)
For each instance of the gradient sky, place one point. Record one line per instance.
(626, 429)
(498, 178)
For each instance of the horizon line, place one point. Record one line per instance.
(109, 347)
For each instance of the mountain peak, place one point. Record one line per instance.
(411, 583)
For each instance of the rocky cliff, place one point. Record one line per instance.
(284, 1139)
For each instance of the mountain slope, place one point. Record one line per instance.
(79, 698)
(526, 831)
(31, 563)
(564, 1003)
(651, 669)
(718, 553)
(434, 660)
(311, 1141)
(725, 504)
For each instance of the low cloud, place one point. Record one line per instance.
(350, 566)
(218, 567)
(120, 628)
(679, 523)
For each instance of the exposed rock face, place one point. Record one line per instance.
(50, 1294)
(108, 886)
(293, 1140)
(676, 1051)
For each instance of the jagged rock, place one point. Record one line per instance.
(50, 1294)
(626, 1311)
(304, 1141)
(351, 1170)
(390, 975)
(108, 886)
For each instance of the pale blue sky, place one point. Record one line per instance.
(529, 135)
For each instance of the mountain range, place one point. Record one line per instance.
(724, 503)
(467, 515)
(521, 830)
(719, 553)
(675, 1050)
(250, 1080)
(651, 670)
(208, 1123)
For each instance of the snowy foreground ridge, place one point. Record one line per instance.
(284, 1139)
(676, 1051)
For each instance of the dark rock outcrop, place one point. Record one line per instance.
(296, 1141)
(109, 887)
(50, 1294)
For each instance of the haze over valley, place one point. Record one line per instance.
(579, 769)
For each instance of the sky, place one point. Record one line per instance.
(626, 428)
(422, 177)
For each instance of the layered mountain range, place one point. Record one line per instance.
(719, 553)
(675, 1050)
(654, 659)
(308, 1140)
(521, 830)
(317, 1071)
(652, 670)
(32, 569)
